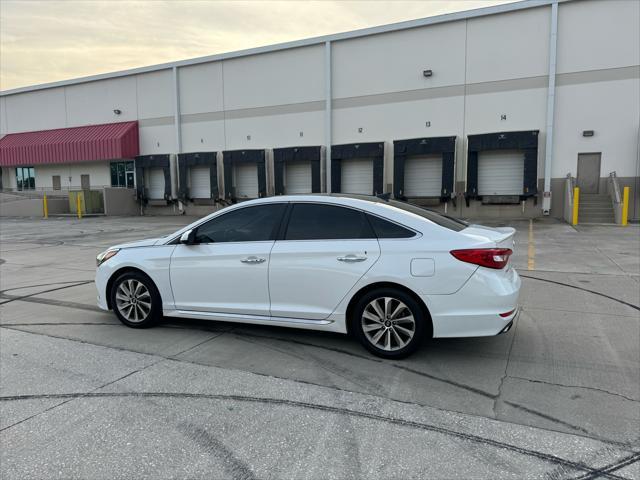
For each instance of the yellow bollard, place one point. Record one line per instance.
(45, 207)
(78, 208)
(625, 206)
(576, 203)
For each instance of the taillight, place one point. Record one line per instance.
(485, 257)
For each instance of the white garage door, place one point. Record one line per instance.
(200, 182)
(155, 183)
(357, 176)
(246, 180)
(500, 172)
(297, 177)
(423, 176)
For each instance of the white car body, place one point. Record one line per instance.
(301, 284)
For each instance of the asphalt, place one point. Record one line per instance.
(82, 396)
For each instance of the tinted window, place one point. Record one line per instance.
(250, 224)
(386, 229)
(309, 221)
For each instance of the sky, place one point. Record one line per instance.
(46, 41)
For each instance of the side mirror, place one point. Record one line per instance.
(188, 237)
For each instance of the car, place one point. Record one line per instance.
(387, 272)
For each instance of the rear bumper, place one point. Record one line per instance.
(474, 310)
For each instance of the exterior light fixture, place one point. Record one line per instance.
(117, 111)
(588, 133)
(427, 73)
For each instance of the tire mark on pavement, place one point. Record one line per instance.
(476, 439)
(23, 297)
(636, 307)
(235, 468)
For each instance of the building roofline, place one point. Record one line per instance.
(392, 27)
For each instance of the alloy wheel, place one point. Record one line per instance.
(388, 324)
(133, 300)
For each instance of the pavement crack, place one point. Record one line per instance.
(505, 373)
(595, 389)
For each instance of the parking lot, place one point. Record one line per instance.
(82, 396)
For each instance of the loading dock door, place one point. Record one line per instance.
(297, 177)
(357, 176)
(423, 176)
(246, 180)
(200, 182)
(500, 172)
(155, 182)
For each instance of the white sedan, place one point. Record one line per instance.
(388, 272)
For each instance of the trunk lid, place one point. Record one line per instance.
(502, 237)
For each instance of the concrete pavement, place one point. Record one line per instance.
(83, 396)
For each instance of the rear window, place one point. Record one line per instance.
(386, 229)
(437, 218)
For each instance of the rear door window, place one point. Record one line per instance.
(312, 221)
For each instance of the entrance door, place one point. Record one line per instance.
(589, 172)
(85, 184)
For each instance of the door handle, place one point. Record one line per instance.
(352, 258)
(252, 259)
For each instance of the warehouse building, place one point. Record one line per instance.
(491, 112)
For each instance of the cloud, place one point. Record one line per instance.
(45, 41)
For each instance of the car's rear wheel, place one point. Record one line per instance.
(389, 323)
(135, 300)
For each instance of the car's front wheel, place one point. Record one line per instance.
(135, 300)
(389, 323)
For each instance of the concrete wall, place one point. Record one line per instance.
(120, 201)
(490, 74)
(31, 207)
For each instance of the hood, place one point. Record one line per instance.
(140, 243)
(503, 237)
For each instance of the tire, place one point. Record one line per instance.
(391, 340)
(139, 311)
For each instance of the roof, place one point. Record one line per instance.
(69, 145)
(392, 27)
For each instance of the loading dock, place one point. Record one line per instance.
(424, 168)
(502, 167)
(358, 168)
(244, 174)
(198, 176)
(153, 178)
(297, 170)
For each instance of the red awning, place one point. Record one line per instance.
(67, 145)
